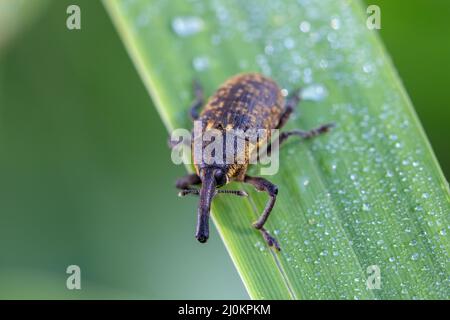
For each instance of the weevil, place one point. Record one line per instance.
(245, 101)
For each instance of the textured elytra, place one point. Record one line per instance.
(244, 102)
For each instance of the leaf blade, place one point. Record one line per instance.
(339, 193)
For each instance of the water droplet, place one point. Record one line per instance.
(289, 43)
(335, 23)
(391, 259)
(365, 207)
(187, 26)
(323, 64)
(260, 246)
(305, 26)
(284, 92)
(315, 92)
(368, 67)
(269, 49)
(425, 195)
(200, 63)
(415, 256)
(304, 181)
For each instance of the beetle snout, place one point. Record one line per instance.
(202, 233)
(202, 237)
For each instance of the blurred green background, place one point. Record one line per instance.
(85, 172)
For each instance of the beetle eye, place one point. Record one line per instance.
(220, 177)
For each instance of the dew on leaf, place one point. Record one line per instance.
(314, 92)
(335, 23)
(269, 49)
(368, 68)
(305, 26)
(289, 43)
(187, 26)
(200, 63)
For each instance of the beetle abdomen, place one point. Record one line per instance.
(246, 101)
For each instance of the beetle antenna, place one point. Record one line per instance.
(239, 193)
(185, 192)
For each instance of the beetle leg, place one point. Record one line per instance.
(305, 134)
(302, 134)
(186, 182)
(262, 184)
(198, 102)
(291, 103)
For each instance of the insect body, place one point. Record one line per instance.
(245, 102)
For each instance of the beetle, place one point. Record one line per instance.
(245, 101)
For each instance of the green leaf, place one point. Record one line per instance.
(370, 193)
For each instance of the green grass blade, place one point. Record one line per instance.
(369, 193)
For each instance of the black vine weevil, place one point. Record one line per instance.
(246, 101)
